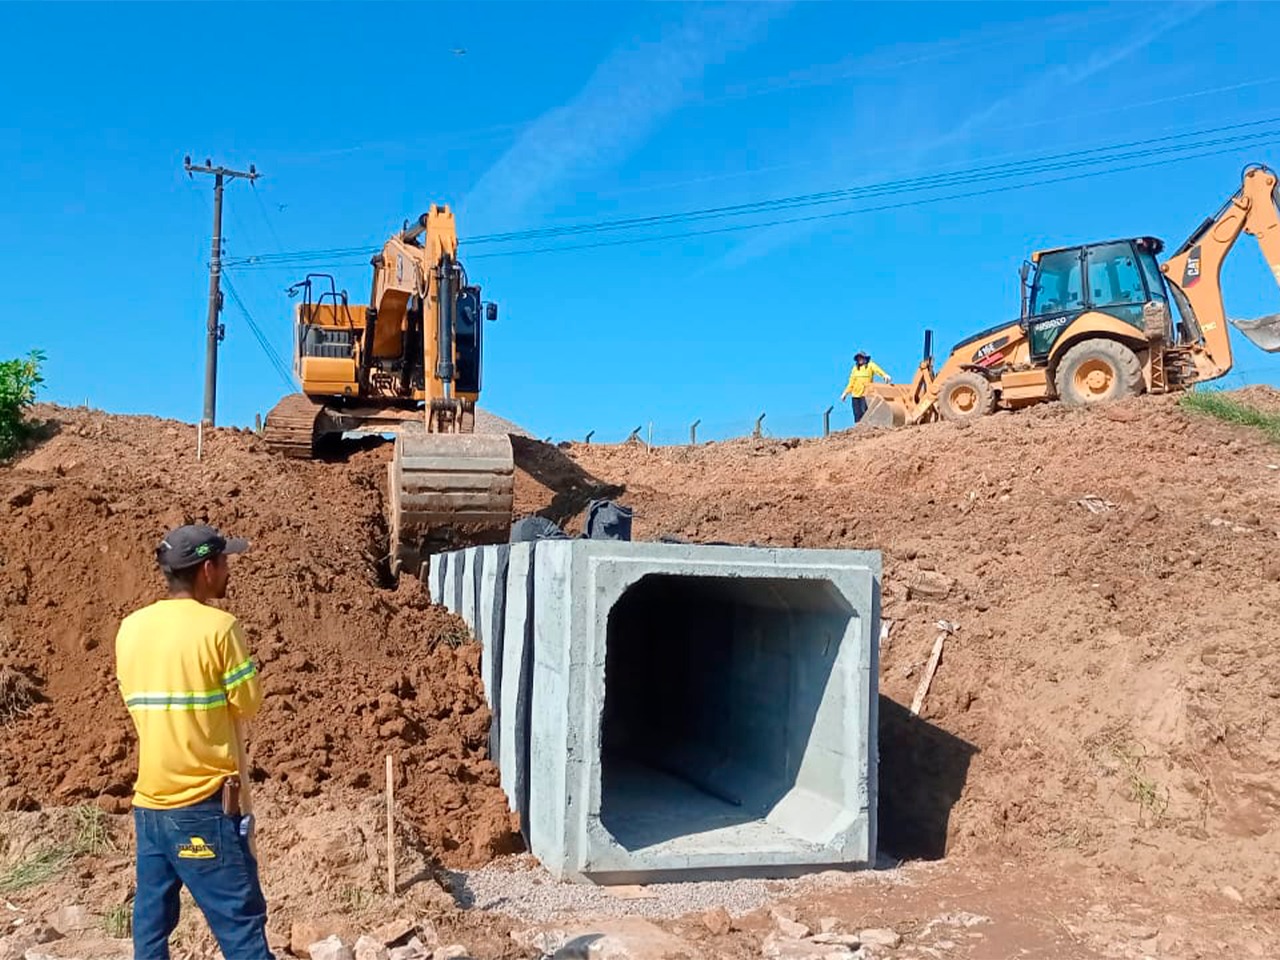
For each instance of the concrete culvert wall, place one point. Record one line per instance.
(713, 687)
(672, 711)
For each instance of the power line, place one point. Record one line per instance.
(977, 174)
(281, 368)
(1268, 139)
(1106, 158)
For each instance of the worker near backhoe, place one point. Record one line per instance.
(864, 371)
(188, 682)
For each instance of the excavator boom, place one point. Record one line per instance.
(406, 364)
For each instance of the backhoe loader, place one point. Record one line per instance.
(1097, 324)
(407, 364)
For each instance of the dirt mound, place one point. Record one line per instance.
(352, 670)
(1111, 692)
(1108, 698)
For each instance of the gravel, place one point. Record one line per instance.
(519, 887)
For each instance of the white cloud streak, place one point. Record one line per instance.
(625, 100)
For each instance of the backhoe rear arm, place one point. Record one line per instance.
(1195, 269)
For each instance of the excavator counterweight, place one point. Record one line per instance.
(407, 364)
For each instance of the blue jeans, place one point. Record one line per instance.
(201, 848)
(859, 408)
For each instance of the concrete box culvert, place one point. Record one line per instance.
(674, 712)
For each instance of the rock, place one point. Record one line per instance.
(930, 586)
(43, 934)
(717, 921)
(787, 948)
(623, 938)
(303, 933)
(370, 948)
(453, 952)
(880, 937)
(71, 918)
(397, 933)
(829, 924)
(330, 948)
(415, 949)
(789, 928)
(1231, 893)
(849, 940)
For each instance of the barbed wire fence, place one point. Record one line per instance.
(806, 425)
(813, 424)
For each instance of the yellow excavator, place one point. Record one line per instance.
(408, 364)
(1097, 324)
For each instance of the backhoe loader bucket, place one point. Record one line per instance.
(448, 490)
(1264, 332)
(887, 405)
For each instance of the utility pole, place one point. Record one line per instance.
(214, 331)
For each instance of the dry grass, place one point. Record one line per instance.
(17, 693)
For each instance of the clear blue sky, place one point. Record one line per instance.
(359, 116)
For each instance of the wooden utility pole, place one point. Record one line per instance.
(214, 331)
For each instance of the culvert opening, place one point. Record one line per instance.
(724, 729)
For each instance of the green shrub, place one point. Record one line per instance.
(18, 382)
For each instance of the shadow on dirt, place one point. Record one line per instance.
(572, 487)
(923, 770)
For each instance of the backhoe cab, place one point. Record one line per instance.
(1098, 323)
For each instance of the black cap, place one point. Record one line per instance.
(195, 543)
(860, 354)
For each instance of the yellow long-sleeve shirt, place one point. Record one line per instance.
(860, 378)
(186, 676)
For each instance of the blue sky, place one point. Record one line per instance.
(359, 116)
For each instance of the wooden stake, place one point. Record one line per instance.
(930, 670)
(200, 441)
(391, 830)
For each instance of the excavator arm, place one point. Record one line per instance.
(1194, 274)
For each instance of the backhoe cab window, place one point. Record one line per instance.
(1114, 276)
(1057, 286)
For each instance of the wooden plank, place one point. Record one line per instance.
(927, 679)
(391, 829)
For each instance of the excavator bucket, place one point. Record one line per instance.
(1263, 333)
(448, 490)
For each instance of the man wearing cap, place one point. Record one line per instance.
(860, 377)
(187, 679)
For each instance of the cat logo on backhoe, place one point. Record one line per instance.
(197, 849)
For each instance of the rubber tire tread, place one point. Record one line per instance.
(986, 395)
(1123, 360)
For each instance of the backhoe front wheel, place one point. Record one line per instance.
(1098, 371)
(966, 396)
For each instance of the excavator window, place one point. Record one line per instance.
(1057, 287)
(1114, 276)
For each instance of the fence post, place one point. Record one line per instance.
(759, 431)
(826, 421)
(590, 434)
(693, 432)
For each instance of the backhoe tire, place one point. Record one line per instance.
(966, 396)
(1098, 371)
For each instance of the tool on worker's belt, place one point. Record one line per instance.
(231, 796)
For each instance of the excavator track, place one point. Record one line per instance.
(448, 490)
(290, 428)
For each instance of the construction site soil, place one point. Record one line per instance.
(1107, 698)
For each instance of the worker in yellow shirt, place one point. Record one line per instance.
(188, 680)
(860, 377)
